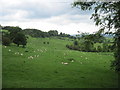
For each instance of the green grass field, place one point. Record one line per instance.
(40, 66)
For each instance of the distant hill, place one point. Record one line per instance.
(105, 35)
(108, 35)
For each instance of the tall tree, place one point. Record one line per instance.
(107, 16)
(20, 39)
(53, 33)
(13, 31)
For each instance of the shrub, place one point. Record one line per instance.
(75, 42)
(67, 46)
(88, 45)
(6, 41)
(99, 49)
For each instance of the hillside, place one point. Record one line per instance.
(47, 63)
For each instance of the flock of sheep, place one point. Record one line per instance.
(39, 50)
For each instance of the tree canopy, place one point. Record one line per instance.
(13, 34)
(20, 39)
(107, 16)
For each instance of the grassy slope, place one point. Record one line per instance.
(46, 71)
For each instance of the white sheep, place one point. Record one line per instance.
(72, 61)
(65, 54)
(38, 50)
(64, 63)
(37, 55)
(41, 50)
(31, 57)
(17, 53)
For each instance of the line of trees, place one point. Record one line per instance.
(87, 43)
(41, 34)
(12, 34)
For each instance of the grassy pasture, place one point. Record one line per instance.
(45, 69)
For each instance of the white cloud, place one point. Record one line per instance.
(61, 24)
(45, 15)
(16, 15)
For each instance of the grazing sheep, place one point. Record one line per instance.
(21, 54)
(72, 61)
(31, 57)
(16, 52)
(5, 46)
(41, 50)
(64, 63)
(9, 50)
(37, 55)
(65, 54)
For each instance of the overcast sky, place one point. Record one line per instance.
(46, 15)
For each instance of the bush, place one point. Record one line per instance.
(88, 45)
(94, 50)
(75, 42)
(67, 46)
(99, 49)
(6, 41)
(73, 47)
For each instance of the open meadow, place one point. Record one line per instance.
(47, 63)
